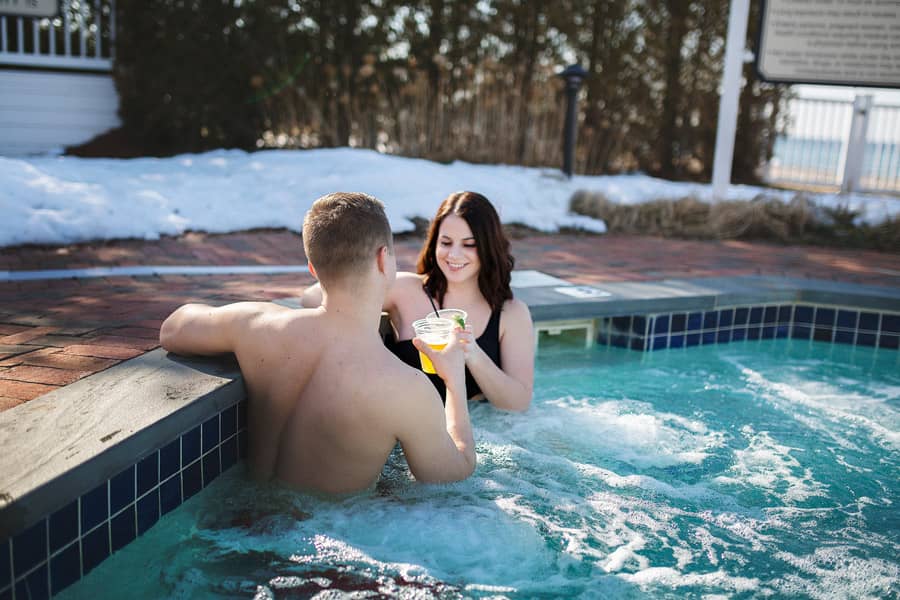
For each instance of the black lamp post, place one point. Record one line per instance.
(573, 75)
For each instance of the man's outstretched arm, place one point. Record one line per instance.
(205, 330)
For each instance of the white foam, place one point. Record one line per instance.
(836, 572)
(669, 577)
(769, 466)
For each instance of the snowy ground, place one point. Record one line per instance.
(58, 200)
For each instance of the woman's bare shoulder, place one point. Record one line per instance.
(516, 309)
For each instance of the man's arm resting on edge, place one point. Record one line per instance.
(199, 329)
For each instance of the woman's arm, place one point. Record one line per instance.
(510, 386)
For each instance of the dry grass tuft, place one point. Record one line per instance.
(762, 218)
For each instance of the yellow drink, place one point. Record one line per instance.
(427, 365)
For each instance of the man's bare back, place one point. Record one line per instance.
(327, 400)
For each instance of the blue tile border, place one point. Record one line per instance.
(802, 321)
(64, 546)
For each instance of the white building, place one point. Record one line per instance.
(56, 86)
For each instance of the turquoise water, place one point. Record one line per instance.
(762, 469)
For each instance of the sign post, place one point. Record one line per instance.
(728, 102)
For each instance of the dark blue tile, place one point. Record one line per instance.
(63, 526)
(887, 340)
(6, 594)
(148, 511)
(739, 334)
(619, 341)
(692, 339)
(30, 547)
(169, 495)
(825, 316)
(192, 479)
(621, 324)
(741, 315)
(602, 339)
(756, 315)
(95, 548)
(782, 331)
(659, 342)
(754, 332)
(803, 314)
(5, 572)
(242, 444)
(190, 446)
(34, 587)
(65, 569)
(695, 321)
(710, 319)
(842, 336)
(726, 317)
(94, 508)
(784, 314)
(890, 323)
(868, 321)
(768, 332)
(121, 490)
(242, 414)
(801, 332)
(122, 528)
(229, 422)
(676, 341)
(661, 324)
(865, 339)
(637, 343)
(147, 473)
(211, 467)
(709, 337)
(169, 459)
(679, 322)
(770, 315)
(229, 453)
(639, 325)
(823, 334)
(210, 434)
(847, 319)
(723, 336)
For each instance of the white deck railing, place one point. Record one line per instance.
(842, 144)
(81, 36)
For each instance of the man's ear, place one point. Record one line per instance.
(382, 258)
(312, 270)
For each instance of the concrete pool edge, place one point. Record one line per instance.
(62, 445)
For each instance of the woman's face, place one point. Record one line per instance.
(456, 252)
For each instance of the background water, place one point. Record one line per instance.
(822, 157)
(752, 469)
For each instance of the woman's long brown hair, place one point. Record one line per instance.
(490, 242)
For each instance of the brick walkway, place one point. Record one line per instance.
(57, 331)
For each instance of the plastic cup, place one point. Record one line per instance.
(455, 314)
(434, 332)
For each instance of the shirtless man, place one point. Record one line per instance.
(327, 400)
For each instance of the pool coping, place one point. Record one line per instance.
(65, 443)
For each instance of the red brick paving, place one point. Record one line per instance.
(54, 332)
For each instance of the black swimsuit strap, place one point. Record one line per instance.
(430, 299)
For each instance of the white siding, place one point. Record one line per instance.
(42, 112)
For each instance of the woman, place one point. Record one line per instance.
(465, 263)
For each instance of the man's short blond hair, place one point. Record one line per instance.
(342, 233)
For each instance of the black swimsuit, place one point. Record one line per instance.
(489, 343)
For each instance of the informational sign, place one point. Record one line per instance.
(834, 42)
(29, 8)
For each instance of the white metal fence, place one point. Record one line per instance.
(853, 146)
(79, 37)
